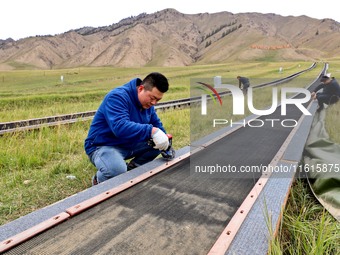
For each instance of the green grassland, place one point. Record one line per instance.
(33, 94)
(34, 165)
(333, 122)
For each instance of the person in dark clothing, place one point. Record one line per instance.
(330, 93)
(243, 83)
(123, 125)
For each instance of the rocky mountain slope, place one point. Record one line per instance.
(170, 38)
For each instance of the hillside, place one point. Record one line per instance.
(170, 38)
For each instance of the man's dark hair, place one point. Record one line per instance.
(157, 80)
(324, 78)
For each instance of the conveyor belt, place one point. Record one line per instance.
(167, 214)
(173, 212)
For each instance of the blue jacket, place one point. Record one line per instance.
(332, 88)
(120, 120)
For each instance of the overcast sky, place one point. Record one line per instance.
(23, 18)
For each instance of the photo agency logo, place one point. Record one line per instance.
(239, 98)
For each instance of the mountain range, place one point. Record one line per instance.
(171, 38)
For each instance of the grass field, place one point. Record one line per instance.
(34, 165)
(34, 94)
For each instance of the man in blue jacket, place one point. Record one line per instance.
(330, 93)
(122, 126)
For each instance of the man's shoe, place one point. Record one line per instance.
(94, 180)
(131, 165)
(320, 108)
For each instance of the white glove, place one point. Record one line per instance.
(160, 139)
